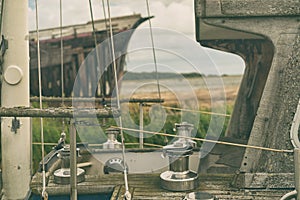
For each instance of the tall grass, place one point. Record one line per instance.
(54, 127)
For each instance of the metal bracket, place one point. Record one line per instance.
(15, 125)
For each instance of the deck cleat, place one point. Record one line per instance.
(179, 177)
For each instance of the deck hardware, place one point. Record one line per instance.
(113, 166)
(179, 177)
(62, 175)
(15, 125)
(61, 142)
(112, 142)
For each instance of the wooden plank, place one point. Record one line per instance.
(96, 100)
(57, 112)
(119, 191)
(122, 22)
(265, 180)
(147, 186)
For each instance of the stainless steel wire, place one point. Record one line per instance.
(61, 52)
(97, 50)
(106, 25)
(93, 22)
(105, 18)
(153, 49)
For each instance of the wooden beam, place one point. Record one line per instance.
(96, 100)
(57, 112)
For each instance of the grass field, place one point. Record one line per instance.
(174, 90)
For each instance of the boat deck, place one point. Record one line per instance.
(147, 186)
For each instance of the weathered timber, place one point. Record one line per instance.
(95, 80)
(265, 180)
(96, 100)
(57, 112)
(258, 55)
(267, 36)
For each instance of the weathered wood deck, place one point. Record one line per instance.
(147, 186)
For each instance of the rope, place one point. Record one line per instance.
(62, 62)
(44, 193)
(153, 145)
(45, 143)
(198, 111)
(211, 141)
(153, 50)
(127, 193)
(96, 43)
(61, 53)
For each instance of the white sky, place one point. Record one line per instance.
(175, 15)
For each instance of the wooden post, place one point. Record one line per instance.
(73, 161)
(141, 126)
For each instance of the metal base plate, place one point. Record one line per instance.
(179, 181)
(62, 176)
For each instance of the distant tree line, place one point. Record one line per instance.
(160, 75)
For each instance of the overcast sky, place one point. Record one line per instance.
(174, 16)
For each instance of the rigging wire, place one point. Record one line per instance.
(192, 138)
(44, 193)
(197, 111)
(100, 145)
(97, 51)
(105, 18)
(62, 61)
(61, 52)
(1, 15)
(153, 49)
(127, 193)
(210, 141)
(106, 28)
